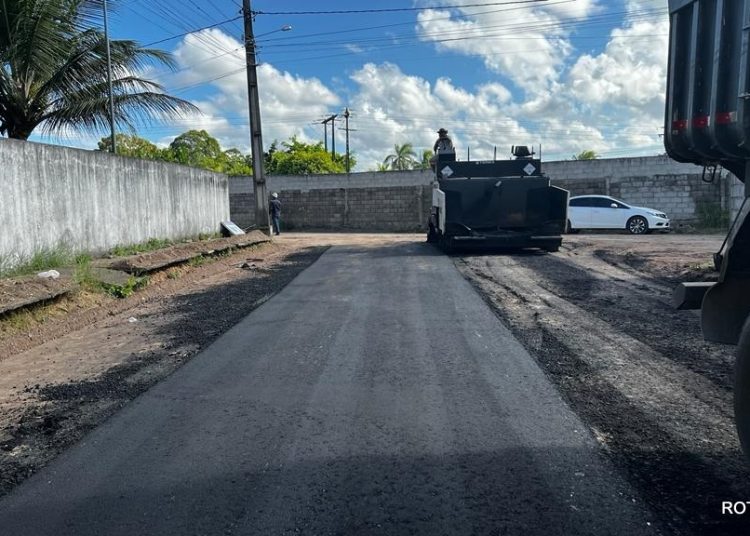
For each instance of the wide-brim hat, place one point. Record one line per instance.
(442, 131)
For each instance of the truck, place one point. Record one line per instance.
(707, 122)
(495, 204)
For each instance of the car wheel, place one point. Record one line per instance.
(569, 229)
(637, 225)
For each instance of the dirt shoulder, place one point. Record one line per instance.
(598, 318)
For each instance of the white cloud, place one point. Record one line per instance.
(288, 103)
(527, 45)
(630, 72)
(393, 108)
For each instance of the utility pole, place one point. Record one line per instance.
(262, 218)
(333, 136)
(109, 81)
(346, 118)
(332, 119)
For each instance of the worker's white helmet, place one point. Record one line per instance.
(274, 195)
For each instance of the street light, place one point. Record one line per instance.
(285, 28)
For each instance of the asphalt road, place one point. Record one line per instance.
(376, 394)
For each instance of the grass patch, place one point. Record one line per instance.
(85, 278)
(123, 291)
(45, 259)
(152, 244)
(82, 273)
(198, 261)
(711, 217)
(208, 236)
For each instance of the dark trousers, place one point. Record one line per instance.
(276, 224)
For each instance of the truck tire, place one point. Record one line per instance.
(742, 389)
(446, 244)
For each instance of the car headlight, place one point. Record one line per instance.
(659, 215)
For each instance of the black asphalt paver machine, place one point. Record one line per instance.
(496, 204)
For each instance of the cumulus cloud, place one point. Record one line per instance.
(393, 107)
(626, 83)
(527, 45)
(288, 102)
(630, 72)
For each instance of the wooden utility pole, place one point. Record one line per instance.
(262, 218)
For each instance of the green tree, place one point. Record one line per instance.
(53, 72)
(237, 163)
(132, 146)
(402, 158)
(588, 154)
(299, 158)
(197, 148)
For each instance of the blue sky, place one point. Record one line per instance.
(569, 74)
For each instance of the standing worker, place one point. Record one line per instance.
(274, 208)
(442, 145)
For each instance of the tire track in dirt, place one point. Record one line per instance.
(641, 309)
(670, 427)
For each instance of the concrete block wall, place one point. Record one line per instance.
(242, 201)
(385, 201)
(680, 196)
(395, 209)
(92, 201)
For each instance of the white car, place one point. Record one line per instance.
(604, 212)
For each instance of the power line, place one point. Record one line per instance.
(193, 31)
(393, 10)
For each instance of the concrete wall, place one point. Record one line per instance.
(400, 200)
(91, 201)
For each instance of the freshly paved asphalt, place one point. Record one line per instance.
(376, 394)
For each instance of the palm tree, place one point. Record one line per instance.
(53, 72)
(427, 155)
(402, 159)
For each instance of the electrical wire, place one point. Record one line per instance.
(393, 10)
(194, 30)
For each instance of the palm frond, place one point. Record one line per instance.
(53, 71)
